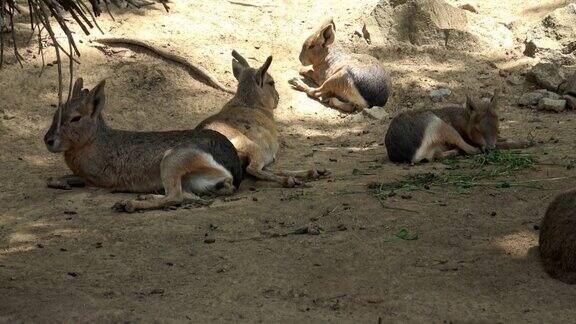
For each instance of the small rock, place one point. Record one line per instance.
(547, 75)
(468, 7)
(357, 118)
(375, 112)
(530, 99)
(515, 79)
(313, 231)
(569, 87)
(570, 102)
(209, 239)
(8, 115)
(439, 94)
(549, 94)
(540, 45)
(310, 230)
(552, 105)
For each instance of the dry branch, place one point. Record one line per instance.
(43, 13)
(195, 70)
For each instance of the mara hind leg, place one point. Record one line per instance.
(341, 105)
(438, 136)
(338, 91)
(256, 168)
(175, 165)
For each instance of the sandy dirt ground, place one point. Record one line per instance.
(65, 256)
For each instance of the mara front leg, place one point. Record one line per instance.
(338, 91)
(451, 136)
(66, 182)
(506, 144)
(302, 174)
(309, 73)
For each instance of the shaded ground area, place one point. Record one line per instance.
(66, 256)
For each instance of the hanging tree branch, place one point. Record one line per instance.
(44, 12)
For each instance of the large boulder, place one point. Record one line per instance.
(547, 75)
(435, 22)
(554, 37)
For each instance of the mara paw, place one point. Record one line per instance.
(124, 207)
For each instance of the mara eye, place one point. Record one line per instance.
(271, 82)
(311, 46)
(75, 119)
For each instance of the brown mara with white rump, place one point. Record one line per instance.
(429, 134)
(247, 120)
(558, 238)
(348, 82)
(183, 164)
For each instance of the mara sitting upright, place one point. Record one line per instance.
(558, 238)
(247, 120)
(182, 164)
(348, 82)
(429, 134)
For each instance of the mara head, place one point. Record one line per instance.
(483, 122)
(77, 121)
(255, 86)
(315, 47)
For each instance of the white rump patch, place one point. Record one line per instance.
(429, 145)
(202, 183)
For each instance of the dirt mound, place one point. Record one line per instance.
(435, 22)
(554, 37)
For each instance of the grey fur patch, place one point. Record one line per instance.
(405, 134)
(372, 83)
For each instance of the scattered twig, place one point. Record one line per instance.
(398, 208)
(249, 4)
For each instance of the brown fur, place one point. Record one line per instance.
(558, 238)
(331, 69)
(247, 120)
(434, 134)
(182, 163)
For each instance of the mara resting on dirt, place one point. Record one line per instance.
(183, 164)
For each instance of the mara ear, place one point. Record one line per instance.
(494, 100)
(262, 71)
(470, 103)
(95, 100)
(239, 64)
(77, 89)
(240, 58)
(237, 69)
(328, 34)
